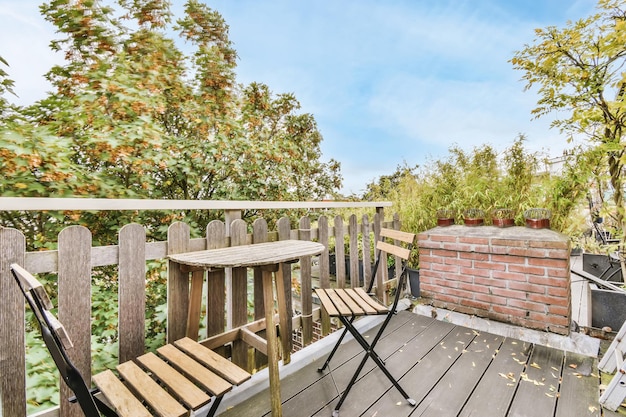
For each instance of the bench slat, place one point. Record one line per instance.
(192, 396)
(121, 399)
(199, 374)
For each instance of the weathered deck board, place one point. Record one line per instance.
(449, 370)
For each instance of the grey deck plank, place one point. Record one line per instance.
(538, 386)
(425, 375)
(453, 390)
(493, 395)
(450, 371)
(579, 394)
(376, 384)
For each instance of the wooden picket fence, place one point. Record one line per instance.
(226, 302)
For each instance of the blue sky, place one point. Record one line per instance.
(387, 81)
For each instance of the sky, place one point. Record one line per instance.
(388, 82)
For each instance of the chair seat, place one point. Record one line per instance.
(181, 377)
(349, 302)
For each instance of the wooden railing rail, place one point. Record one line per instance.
(226, 307)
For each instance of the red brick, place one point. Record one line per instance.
(528, 252)
(509, 242)
(493, 266)
(443, 238)
(427, 244)
(473, 288)
(558, 254)
(442, 253)
(549, 263)
(474, 256)
(550, 281)
(474, 240)
(526, 305)
(460, 262)
(507, 259)
(445, 268)
(558, 273)
(510, 294)
(550, 244)
(549, 300)
(535, 270)
(475, 304)
(525, 286)
(562, 292)
(476, 272)
(510, 276)
(444, 297)
(491, 299)
(511, 311)
(490, 282)
(457, 247)
(559, 310)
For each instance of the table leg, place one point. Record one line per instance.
(283, 315)
(272, 344)
(195, 304)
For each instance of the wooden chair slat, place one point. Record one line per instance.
(398, 235)
(381, 309)
(354, 307)
(154, 395)
(192, 396)
(199, 374)
(337, 301)
(124, 403)
(393, 250)
(367, 308)
(327, 304)
(216, 363)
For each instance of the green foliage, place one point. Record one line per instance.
(579, 72)
(485, 180)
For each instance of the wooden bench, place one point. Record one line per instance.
(183, 378)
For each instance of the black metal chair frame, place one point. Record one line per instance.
(369, 348)
(50, 328)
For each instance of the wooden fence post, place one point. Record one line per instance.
(367, 253)
(75, 304)
(12, 349)
(239, 300)
(132, 292)
(340, 253)
(353, 238)
(259, 235)
(284, 233)
(178, 237)
(216, 284)
(324, 273)
(306, 290)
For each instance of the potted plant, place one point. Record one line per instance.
(474, 217)
(503, 217)
(537, 218)
(445, 217)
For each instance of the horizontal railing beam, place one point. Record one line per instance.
(105, 204)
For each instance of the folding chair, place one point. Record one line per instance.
(348, 304)
(184, 379)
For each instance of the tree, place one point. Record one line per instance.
(134, 116)
(580, 73)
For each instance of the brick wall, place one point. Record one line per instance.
(515, 275)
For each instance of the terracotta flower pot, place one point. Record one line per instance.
(503, 222)
(503, 217)
(537, 218)
(445, 217)
(474, 217)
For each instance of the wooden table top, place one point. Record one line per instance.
(259, 254)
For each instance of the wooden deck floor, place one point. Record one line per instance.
(449, 370)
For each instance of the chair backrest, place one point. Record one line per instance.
(401, 246)
(55, 337)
